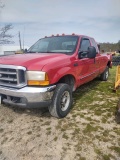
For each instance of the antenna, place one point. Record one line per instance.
(23, 36)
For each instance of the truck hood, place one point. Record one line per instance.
(31, 61)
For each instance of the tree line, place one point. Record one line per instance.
(110, 47)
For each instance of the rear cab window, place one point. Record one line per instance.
(94, 44)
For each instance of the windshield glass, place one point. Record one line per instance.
(60, 44)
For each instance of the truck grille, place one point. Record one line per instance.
(12, 76)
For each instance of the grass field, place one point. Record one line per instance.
(98, 96)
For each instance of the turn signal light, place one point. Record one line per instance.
(37, 83)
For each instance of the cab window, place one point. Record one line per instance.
(84, 45)
(94, 44)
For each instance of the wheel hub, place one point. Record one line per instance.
(107, 74)
(65, 100)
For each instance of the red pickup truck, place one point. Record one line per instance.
(48, 73)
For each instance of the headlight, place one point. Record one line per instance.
(37, 78)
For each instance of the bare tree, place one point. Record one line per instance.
(1, 4)
(5, 37)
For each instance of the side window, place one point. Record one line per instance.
(94, 44)
(84, 45)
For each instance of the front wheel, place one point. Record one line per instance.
(61, 101)
(104, 76)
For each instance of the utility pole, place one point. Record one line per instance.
(23, 36)
(20, 41)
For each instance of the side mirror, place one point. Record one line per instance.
(91, 52)
(82, 54)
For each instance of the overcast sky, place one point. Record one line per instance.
(38, 18)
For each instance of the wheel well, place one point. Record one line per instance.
(70, 80)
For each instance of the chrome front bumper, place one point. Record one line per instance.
(27, 97)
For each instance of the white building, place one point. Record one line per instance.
(7, 50)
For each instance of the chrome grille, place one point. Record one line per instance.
(13, 76)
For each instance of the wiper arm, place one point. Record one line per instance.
(50, 52)
(30, 52)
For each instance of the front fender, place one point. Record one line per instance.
(57, 75)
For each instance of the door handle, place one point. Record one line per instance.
(75, 64)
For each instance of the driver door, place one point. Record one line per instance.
(86, 67)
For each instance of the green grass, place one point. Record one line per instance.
(1, 130)
(46, 123)
(65, 136)
(29, 132)
(89, 128)
(96, 96)
(55, 139)
(116, 149)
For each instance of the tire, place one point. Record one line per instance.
(61, 101)
(117, 114)
(116, 59)
(117, 117)
(104, 76)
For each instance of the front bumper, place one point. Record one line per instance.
(27, 97)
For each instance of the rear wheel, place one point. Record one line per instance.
(104, 76)
(62, 101)
(117, 117)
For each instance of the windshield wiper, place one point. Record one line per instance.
(30, 52)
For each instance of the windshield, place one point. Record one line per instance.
(60, 44)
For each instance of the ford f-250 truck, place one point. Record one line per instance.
(50, 71)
